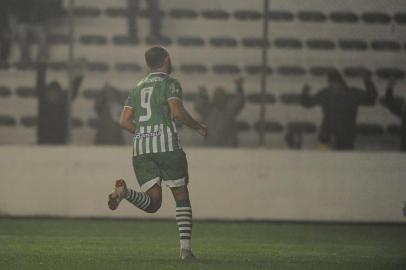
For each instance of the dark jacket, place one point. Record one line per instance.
(108, 107)
(221, 120)
(52, 124)
(340, 109)
(398, 108)
(36, 11)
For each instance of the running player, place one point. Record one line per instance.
(157, 155)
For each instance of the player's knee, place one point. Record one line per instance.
(154, 206)
(180, 193)
(152, 209)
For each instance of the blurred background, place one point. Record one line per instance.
(272, 81)
(267, 77)
(283, 85)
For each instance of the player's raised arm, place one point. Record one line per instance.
(126, 119)
(179, 113)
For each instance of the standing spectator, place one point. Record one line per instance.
(5, 33)
(53, 105)
(154, 20)
(398, 108)
(220, 114)
(108, 107)
(32, 18)
(339, 103)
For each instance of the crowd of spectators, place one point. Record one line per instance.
(28, 21)
(339, 103)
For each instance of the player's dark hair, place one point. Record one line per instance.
(155, 56)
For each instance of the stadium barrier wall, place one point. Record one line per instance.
(225, 184)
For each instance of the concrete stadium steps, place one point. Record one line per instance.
(236, 28)
(250, 113)
(59, 52)
(218, 4)
(377, 114)
(18, 107)
(83, 109)
(17, 135)
(113, 55)
(331, 5)
(213, 44)
(102, 25)
(248, 139)
(85, 135)
(18, 78)
(126, 80)
(202, 55)
(280, 112)
(182, 53)
(103, 4)
(376, 143)
(208, 28)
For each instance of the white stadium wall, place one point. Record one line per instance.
(225, 184)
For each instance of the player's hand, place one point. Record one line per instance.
(203, 130)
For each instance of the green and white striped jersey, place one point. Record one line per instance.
(155, 130)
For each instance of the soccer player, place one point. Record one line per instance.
(148, 113)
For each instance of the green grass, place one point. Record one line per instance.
(116, 244)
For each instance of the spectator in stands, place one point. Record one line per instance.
(5, 33)
(339, 103)
(398, 108)
(53, 102)
(154, 20)
(108, 107)
(33, 19)
(220, 114)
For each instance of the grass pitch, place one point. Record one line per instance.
(117, 244)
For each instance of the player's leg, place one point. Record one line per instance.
(184, 220)
(148, 175)
(149, 201)
(147, 172)
(174, 172)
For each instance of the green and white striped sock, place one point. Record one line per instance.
(184, 220)
(139, 199)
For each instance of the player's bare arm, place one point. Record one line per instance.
(126, 119)
(180, 114)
